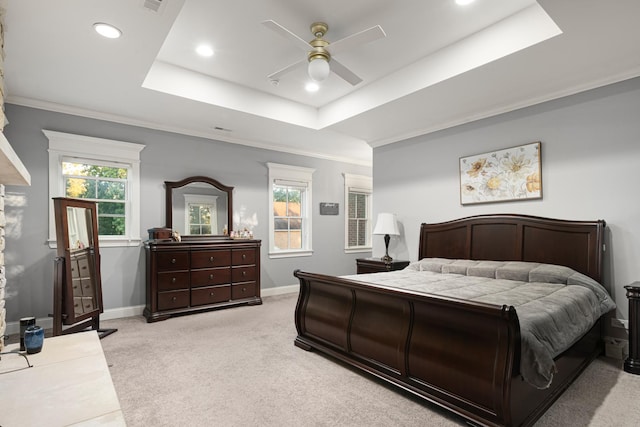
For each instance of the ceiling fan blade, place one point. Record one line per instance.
(344, 73)
(274, 26)
(364, 36)
(285, 70)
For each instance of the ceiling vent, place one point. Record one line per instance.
(154, 5)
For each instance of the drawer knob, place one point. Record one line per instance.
(244, 273)
(174, 299)
(244, 256)
(211, 276)
(173, 260)
(210, 259)
(244, 289)
(210, 294)
(173, 280)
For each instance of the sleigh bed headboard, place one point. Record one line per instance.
(510, 237)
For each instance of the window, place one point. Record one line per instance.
(106, 185)
(103, 171)
(290, 210)
(287, 216)
(357, 190)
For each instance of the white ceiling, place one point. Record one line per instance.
(439, 65)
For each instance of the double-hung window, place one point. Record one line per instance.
(290, 210)
(104, 171)
(357, 190)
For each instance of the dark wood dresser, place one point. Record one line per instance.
(200, 274)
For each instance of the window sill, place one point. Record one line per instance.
(110, 243)
(357, 250)
(290, 254)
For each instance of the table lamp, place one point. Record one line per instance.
(387, 225)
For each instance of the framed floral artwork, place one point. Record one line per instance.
(509, 174)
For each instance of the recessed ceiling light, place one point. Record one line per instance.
(204, 50)
(464, 2)
(107, 30)
(312, 87)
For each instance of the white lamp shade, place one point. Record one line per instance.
(386, 224)
(319, 69)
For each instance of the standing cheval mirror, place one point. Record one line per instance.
(77, 284)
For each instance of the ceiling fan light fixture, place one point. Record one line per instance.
(312, 87)
(319, 69)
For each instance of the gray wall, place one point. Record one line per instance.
(167, 157)
(590, 170)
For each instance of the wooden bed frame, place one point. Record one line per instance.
(461, 355)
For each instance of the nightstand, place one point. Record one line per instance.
(376, 265)
(632, 364)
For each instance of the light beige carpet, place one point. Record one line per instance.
(239, 367)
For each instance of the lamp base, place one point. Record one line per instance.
(387, 259)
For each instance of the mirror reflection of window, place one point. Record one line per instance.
(79, 223)
(200, 214)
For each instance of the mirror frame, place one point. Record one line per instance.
(170, 185)
(61, 204)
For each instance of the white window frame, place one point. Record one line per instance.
(358, 184)
(299, 176)
(87, 149)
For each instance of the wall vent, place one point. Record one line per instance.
(154, 5)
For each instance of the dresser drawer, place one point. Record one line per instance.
(86, 284)
(172, 261)
(89, 304)
(77, 306)
(83, 305)
(210, 276)
(207, 259)
(75, 271)
(243, 274)
(173, 280)
(243, 256)
(174, 299)
(243, 290)
(83, 267)
(210, 295)
(80, 267)
(76, 284)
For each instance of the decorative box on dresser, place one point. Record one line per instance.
(200, 274)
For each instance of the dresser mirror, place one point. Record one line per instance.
(199, 206)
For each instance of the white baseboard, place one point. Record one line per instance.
(14, 327)
(280, 290)
(117, 313)
(136, 310)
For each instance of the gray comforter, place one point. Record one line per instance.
(555, 305)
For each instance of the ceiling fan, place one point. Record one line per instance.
(320, 52)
